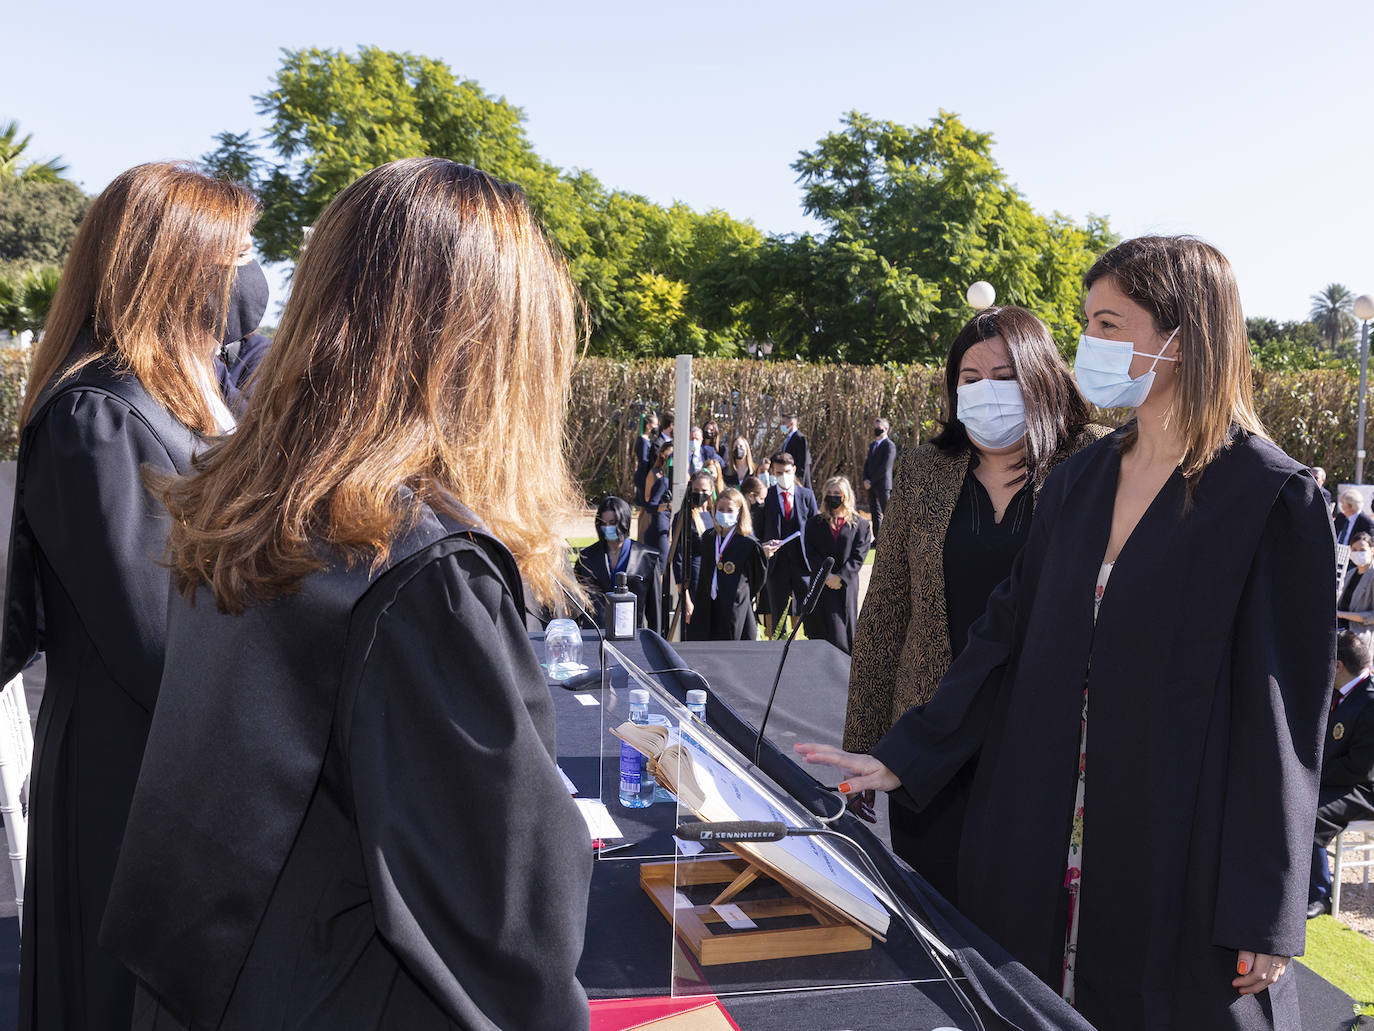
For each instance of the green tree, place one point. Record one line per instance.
(26, 298)
(38, 221)
(1333, 313)
(1289, 345)
(12, 166)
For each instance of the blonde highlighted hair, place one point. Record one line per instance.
(155, 251)
(428, 317)
(848, 509)
(745, 526)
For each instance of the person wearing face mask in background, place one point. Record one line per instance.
(121, 383)
(786, 510)
(700, 453)
(739, 464)
(243, 347)
(838, 532)
(882, 453)
(721, 607)
(960, 511)
(614, 552)
(1351, 517)
(1355, 606)
(710, 435)
(1168, 632)
(645, 446)
(794, 443)
(686, 535)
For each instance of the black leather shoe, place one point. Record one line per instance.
(1316, 909)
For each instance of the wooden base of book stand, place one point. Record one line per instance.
(704, 931)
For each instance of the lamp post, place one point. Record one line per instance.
(981, 295)
(1364, 311)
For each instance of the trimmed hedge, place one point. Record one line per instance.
(1310, 414)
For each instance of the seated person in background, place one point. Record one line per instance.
(721, 608)
(1355, 606)
(1351, 517)
(837, 531)
(613, 553)
(1347, 783)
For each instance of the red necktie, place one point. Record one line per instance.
(787, 504)
(1335, 701)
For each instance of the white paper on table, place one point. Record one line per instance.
(689, 848)
(598, 818)
(587, 699)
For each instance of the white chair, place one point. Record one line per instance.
(1354, 856)
(16, 755)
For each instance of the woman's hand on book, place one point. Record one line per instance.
(863, 772)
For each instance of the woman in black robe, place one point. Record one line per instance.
(613, 553)
(349, 814)
(732, 574)
(121, 381)
(1147, 693)
(837, 532)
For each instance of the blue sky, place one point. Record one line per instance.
(1249, 125)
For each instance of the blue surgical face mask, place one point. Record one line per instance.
(993, 412)
(726, 518)
(1103, 371)
(609, 533)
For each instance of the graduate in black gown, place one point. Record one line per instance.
(1147, 693)
(121, 381)
(721, 608)
(613, 553)
(349, 814)
(838, 532)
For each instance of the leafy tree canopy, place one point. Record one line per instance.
(38, 220)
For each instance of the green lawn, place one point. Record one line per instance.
(1344, 957)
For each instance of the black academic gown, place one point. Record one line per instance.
(730, 615)
(1210, 675)
(349, 814)
(593, 570)
(85, 588)
(837, 611)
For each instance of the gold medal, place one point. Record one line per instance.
(1338, 731)
(727, 567)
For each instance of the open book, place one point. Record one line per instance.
(715, 788)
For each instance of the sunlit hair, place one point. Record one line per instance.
(429, 316)
(848, 509)
(745, 526)
(748, 459)
(1055, 410)
(712, 467)
(1185, 283)
(154, 252)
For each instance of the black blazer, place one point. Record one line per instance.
(797, 447)
(592, 570)
(878, 464)
(776, 527)
(304, 847)
(1348, 758)
(85, 588)
(1363, 524)
(849, 551)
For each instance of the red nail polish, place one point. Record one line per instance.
(843, 788)
(1242, 968)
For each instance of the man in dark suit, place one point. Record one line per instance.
(645, 448)
(1347, 782)
(785, 512)
(1351, 517)
(795, 445)
(700, 453)
(878, 473)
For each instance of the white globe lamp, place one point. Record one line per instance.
(981, 295)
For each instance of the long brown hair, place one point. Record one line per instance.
(154, 252)
(429, 318)
(1056, 411)
(1184, 282)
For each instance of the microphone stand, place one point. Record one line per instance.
(812, 598)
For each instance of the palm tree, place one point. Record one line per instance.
(1333, 314)
(12, 149)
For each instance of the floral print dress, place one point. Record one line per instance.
(1073, 875)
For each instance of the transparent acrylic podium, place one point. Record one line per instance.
(798, 914)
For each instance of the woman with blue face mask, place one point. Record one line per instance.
(613, 552)
(1147, 694)
(960, 510)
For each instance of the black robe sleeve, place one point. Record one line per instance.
(477, 860)
(102, 531)
(847, 566)
(1282, 657)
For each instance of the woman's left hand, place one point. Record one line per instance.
(834, 582)
(1258, 971)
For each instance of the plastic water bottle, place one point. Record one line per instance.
(696, 703)
(636, 781)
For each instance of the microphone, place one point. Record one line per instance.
(812, 597)
(739, 830)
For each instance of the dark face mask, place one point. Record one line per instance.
(739, 452)
(834, 500)
(698, 498)
(878, 431)
(247, 303)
